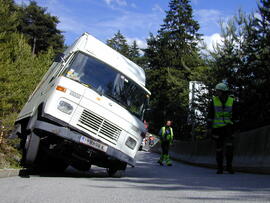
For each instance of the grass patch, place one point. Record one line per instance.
(9, 156)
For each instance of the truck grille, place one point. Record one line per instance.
(99, 126)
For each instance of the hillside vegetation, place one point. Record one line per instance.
(21, 69)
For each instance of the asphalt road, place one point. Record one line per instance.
(147, 182)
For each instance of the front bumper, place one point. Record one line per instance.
(74, 136)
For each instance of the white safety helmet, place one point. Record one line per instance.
(222, 87)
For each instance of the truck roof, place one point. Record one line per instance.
(89, 44)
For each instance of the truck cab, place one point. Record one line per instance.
(87, 110)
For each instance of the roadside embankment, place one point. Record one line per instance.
(9, 172)
(251, 153)
(9, 158)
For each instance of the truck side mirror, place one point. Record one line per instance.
(59, 58)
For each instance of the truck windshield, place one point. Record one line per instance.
(107, 81)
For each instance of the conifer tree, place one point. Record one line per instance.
(134, 51)
(119, 43)
(40, 28)
(8, 18)
(173, 55)
(177, 38)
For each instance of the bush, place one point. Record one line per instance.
(20, 71)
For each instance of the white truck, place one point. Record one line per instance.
(87, 110)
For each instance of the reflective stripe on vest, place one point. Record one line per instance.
(223, 116)
(170, 137)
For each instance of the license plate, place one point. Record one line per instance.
(93, 143)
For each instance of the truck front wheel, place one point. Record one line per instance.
(112, 171)
(117, 170)
(30, 150)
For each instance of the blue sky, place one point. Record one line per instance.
(135, 18)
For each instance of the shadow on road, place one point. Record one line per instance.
(148, 175)
(191, 180)
(69, 172)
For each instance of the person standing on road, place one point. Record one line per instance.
(166, 138)
(220, 125)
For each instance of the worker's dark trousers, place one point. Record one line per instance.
(224, 139)
(165, 145)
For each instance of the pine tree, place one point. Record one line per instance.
(136, 56)
(8, 18)
(134, 51)
(174, 54)
(242, 60)
(19, 69)
(263, 34)
(177, 38)
(154, 52)
(40, 28)
(179, 26)
(119, 43)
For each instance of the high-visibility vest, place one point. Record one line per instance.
(168, 137)
(223, 115)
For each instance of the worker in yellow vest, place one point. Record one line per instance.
(166, 138)
(220, 126)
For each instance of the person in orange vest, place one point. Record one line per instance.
(166, 139)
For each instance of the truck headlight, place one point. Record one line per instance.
(65, 107)
(131, 143)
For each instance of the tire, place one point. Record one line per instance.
(112, 171)
(117, 170)
(31, 149)
(115, 173)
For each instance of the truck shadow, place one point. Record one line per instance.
(69, 172)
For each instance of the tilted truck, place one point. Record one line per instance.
(87, 110)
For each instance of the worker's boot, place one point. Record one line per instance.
(161, 160)
(219, 159)
(168, 161)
